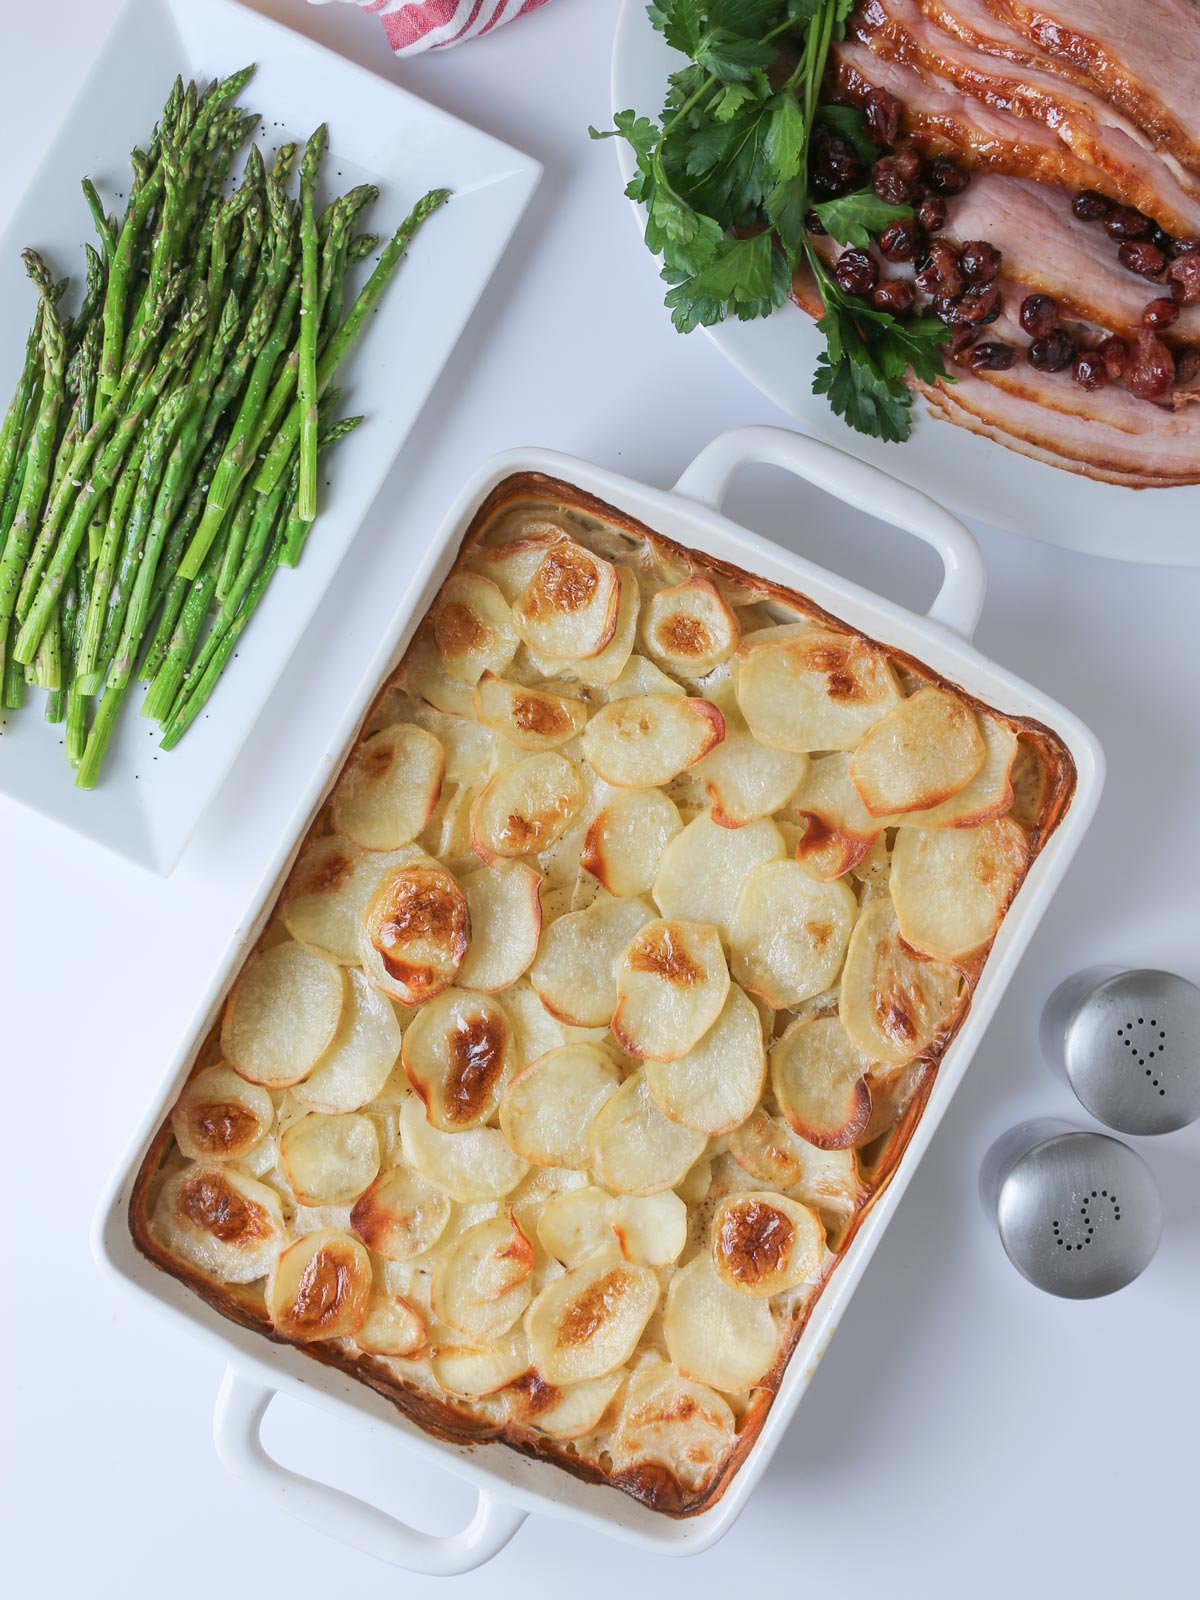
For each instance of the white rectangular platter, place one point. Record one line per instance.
(147, 803)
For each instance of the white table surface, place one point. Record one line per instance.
(965, 1433)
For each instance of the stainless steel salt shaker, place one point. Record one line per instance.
(1129, 1043)
(1079, 1213)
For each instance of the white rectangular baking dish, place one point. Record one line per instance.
(511, 1485)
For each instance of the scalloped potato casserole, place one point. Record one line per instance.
(601, 1000)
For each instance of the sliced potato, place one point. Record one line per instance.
(990, 792)
(839, 829)
(669, 1421)
(459, 1052)
(220, 1117)
(634, 1148)
(672, 981)
(321, 1287)
(789, 933)
(651, 1229)
(822, 1082)
(389, 787)
(569, 607)
(703, 869)
(717, 1084)
(467, 746)
(575, 974)
(828, 1179)
(532, 719)
(536, 1030)
(606, 668)
(563, 1413)
(1030, 781)
(473, 627)
(716, 1335)
(414, 933)
(357, 1064)
(952, 886)
(640, 676)
(764, 1243)
(329, 1160)
(216, 1219)
(586, 1323)
(282, 1015)
(689, 628)
(473, 1373)
(401, 1215)
(813, 689)
(511, 563)
(525, 807)
(548, 1108)
(926, 749)
(640, 741)
(424, 675)
(766, 1148)
(481, 1283)
(693, 1189)
(391, 1327)
(745, 780)
(626, 839)
(892, 1002)
(575, 1223)
(477, 1164)
(327, 893)
(506, 924)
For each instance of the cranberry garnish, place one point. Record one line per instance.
(895, 295)
(898, 241)
(856, 271)
(1160, 313)
(1152, 371)
(980, 261)
(1123, 222)
(882, 114)
(1053, 353)
(1039, 315)
(1184, 273)
(897, 179)
(1088, 370)
(931, 213)
(945, 176)
(1089, 206)
(1144, 258)
(991, 356)
(1113, 353)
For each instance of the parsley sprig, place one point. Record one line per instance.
(724, 178)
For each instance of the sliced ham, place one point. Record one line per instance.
(1144, 55)
(1100, 140)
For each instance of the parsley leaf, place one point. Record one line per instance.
(746, 278)
(853, 218)
(787, 207)
(726, 169)
(785, 137)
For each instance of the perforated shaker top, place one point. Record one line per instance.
(1080, 1215)
(1132, 1052)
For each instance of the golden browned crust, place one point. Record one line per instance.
(1045, 797)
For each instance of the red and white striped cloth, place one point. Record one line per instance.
(414, 25)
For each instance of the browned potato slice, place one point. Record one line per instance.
(703, 869)
(506, 924)
(548, 1108)
(813, 689)
(481, 1282)
(606, 668)
(575, 1223)
(926, 749)
(391, 1327)
(671, 986)
(892, 1002)
(474, 1373)
(766, 1148)
(423, 674)
(575, 974)
(668, 1421)
(789, 933)
(525, 807)
(587, 1323)
(282, 1015)
(459, 1052)
(357, 1064)
(414, 933)
(401, 1215)
(989, 793)
(650, 1228)
(221, 1222)
(220, 1117)
(476, 1164)
(716, 1335)
(511, 564)
(1030, 777)
(532, 719)
(952, 886)
(473, 627)
(644, 740)
(569, 607)
(764, 1243)
(822, 1083)
(839, 829)
(389, 787)
(634, 1148)
(327, 893)
(689, 628)
(564, 1413)
(626, 839)
(717, 1084)
(329, 1160)
(321, 1287)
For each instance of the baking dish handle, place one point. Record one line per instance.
(237, 1424)
(959, 600)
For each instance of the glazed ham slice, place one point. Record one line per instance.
(953, 79)
(1143, 55)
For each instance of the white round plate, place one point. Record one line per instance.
(977, 478)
